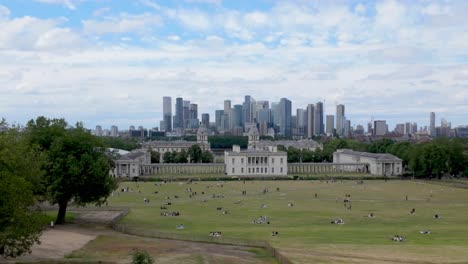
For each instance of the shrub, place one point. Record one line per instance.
(142, 257)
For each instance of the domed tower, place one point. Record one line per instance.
(254, 137)
(202, 134)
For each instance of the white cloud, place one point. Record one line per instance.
(217, 2)
(4, 12)
(121, 24)
(70, 4)
(192, 19)
(151, 4)
(58, 38)
(173, 38)
(390, 14)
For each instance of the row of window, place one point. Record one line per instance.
(257, 170)
(251, 160)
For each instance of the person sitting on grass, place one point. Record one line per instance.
(398, 238)
(337, 221)
(425, 232)
(274, 233)
(371, 215)
(413, 211)
(180, 227)
(437, 216)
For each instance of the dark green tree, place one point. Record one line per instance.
(195, 153)
(155, 156)
(20, 171)
(207, 157)
(294, 155)
(78, 165)
(181, 157)
(169, 157)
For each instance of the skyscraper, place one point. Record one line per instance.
(98, 131)
(330, 125)
(167, 114)
(206, 120)
(114, 131)
(340, 119)
(318, 119)
(218, 119)
(432, 124)
(285, 117)
(227, 115)
(301, 125)
(179, 116)
(380, 128)
(347, 128)
(275, 114)
(236, 119)
(310, 120)
(248, 109)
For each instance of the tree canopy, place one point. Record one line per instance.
(20, 170)
(77, 166)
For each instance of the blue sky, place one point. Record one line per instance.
(110, 62)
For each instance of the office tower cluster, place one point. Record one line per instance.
(277, 119)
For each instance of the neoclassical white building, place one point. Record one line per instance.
(170, 146)
(255, 161)
(378, 164)
(129, 165)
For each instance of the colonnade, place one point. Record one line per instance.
(312, 168)
(210, 168)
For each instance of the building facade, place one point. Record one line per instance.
(255, 162)
(378, 164)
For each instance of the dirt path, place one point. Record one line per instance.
(56, 243)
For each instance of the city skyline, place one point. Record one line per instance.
(107, 65)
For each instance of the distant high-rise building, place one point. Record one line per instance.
(275, 113)
(227, 114)
(340, 119)
(400, 129)
(114, 131)
(407, 128)
(359, 130)
(131, 128)
(330, 125)
(206, 120)
(285, 117)
(347, 128)
(370, 131)
(186, 113)
(301, 115)
(179, 116)
(227, 105)
(167, 114)
(310, 120)
(432, 128)
(318, 119)
(218, 119)
(98, 131)
(380, 128)
(236, 119)
(248, 108)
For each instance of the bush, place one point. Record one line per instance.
(142, 257)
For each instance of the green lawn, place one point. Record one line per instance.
(305, 229)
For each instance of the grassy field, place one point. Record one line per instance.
(305, 232)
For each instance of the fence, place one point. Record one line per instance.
(196, 238)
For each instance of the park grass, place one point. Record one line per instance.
(305, 229)
(50, 216)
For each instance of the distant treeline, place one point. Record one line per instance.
(227, 141)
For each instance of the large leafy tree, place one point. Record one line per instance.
(195, 153)
(78, 164)
(20, 169)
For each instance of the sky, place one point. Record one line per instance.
(110, 62)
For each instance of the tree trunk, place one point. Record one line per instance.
(61, 213)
